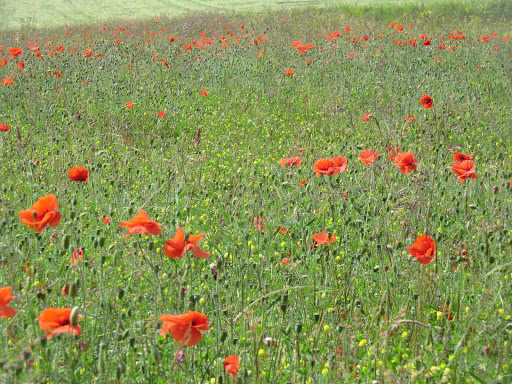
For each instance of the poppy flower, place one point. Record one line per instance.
(21, 65)
(323, 238)
(165, 64)
(5, 128)
(405, 162)
(232, 365)
(185, 328)
(411, 119)
(464, 169)
(181, 243)
(171, 39)
(129, 104)
(392, 152)
(15, 52)
(78, 174)
(5, 298)
(259, 223)
(58, 320)
(3, 62)
(291, 161)
(423, 248)
(329, 167)
(161, 114)
(303, 183)
(368, 157)
(366, 116)
(426, 101)
(203, 92)
(65, 289)
(457, 156)
(286, 261)
(106, 220)
(141, 224)
(289, 72)
(7, 81)
(78, 255)
(43, 212)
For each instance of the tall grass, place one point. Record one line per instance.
(356, 310)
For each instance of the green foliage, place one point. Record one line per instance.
(356, 310)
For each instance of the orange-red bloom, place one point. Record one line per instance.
(129, 104)
(185, 328)
(323, 238)
(367, 116)
(8, 81)
(286, 261)
(5, 128)
(426, 101)
(424, 249)
(368, 157)
(405, 162)
(259, 223)
(15, 52)
(78, 174)
(289, 72)
(42, 213)
(78, 255)
(142, 224)
(464, 169)
(203, 92)
(181, 243)
(58, 320)
(161, 114)
(106, 220)
(5, 298)
(291, 161)
(392, 152)
(457, 156)
(329, 167)
(232, 365)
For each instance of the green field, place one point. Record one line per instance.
(193, 129)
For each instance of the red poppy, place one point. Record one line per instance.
(43, 212)
(203, 92)
(7, 81)
(3, 62)
(232, 365)
(129, 104)
(368, 157)
(161, 114)
(78, 174)
(411, 119)
(289, 72)
(78, 255)
(323, 238)
(329, 167)
(303, 183)
(58, 320)
(181, 243)
(106, 220)
(165, 64)
(15, 52)
(259, 223)
(291, 161)
(426, 101)
(464, 169)
(21, 65)
(5, 298)
(424, 249)
(405, 162)
(366, 116)
(171, 39)
(392, 152)
(185, 328)
(5, 128)
(286, 261)
(142, 224)
(457, 156)
(399, 28)
(65, 289)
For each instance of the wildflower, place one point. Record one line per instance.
(366, 116)
(392, 152)
(203, 92)
(164, 63)
(161, 114)
(368, 157)
(78, 255)
(423, 248)
(129, 104)
(259, 223)
(329, 167)
(142, 224)
(8, 81)
(15, 52)
(232, 365)
(286, 261)
(58, 320)
(106, 220)
(43, 212)
(78, 174)
(185, 328)
(464, 169)
(291, 161)
(405, 162)
(457, 156)
(289, 72)
(181, 243)
(5, 128)
(323, 238)
(5, 298)
(426, 101)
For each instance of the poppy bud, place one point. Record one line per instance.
(73, 318)
(65, 242)
(120, 293)
(156, 355)
(132, 342)
(73, 290)
(102, 241)
(43, 341)
(235, 340)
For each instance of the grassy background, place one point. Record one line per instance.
(359, 310)
(47, 13)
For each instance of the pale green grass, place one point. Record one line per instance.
(18, 13)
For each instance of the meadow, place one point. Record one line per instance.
(385, 266)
